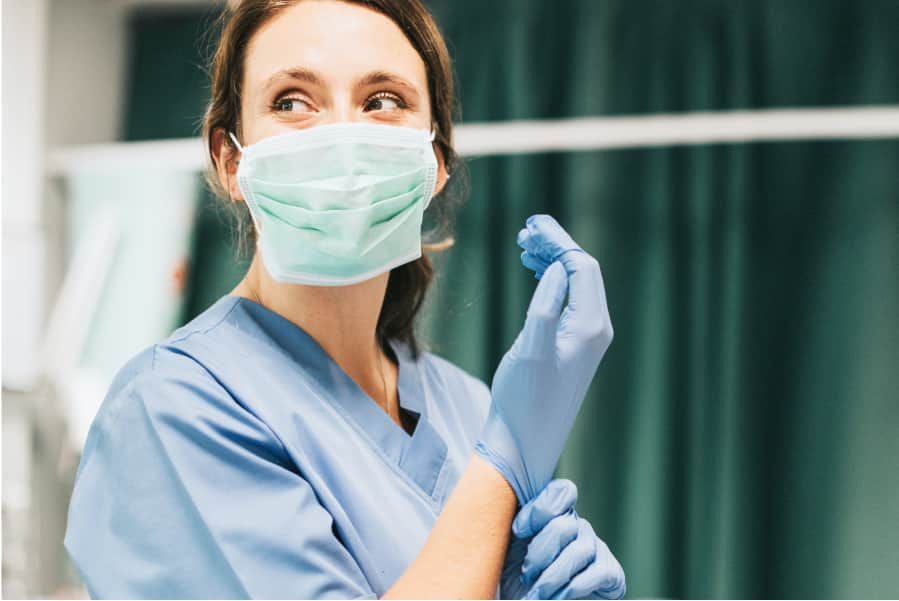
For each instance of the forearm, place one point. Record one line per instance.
(463, 556)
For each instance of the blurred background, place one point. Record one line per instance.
(741, 438)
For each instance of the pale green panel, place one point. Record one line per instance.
(144, 289)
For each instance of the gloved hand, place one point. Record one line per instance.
(557, 499)
(554, 554)
(541, 381)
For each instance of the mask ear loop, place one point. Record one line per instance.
(239, 147)
(236, 143)
(256, 224)
(432, 138)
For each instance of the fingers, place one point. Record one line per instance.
(602, 579)
(539, 332)
(586, 319)
(575, 557)
(545, 238)
(515, 554)
(534, 263)
(556, 499)
(547, 546)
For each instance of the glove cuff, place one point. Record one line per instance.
(498, 447)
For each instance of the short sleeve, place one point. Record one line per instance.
(182, 492)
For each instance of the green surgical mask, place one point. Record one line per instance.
(338, 204)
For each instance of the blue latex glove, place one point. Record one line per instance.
(554, 554)
(584, 569)
(558, 498)
(541, 381)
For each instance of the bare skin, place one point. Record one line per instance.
(325, 61)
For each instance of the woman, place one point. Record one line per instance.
(292, 441)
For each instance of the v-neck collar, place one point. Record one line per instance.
(421, 455)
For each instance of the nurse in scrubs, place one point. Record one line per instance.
(293, 441)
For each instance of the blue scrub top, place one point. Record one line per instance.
(237, 459)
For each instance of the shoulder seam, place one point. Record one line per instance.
(207, 329)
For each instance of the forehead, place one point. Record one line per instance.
(338, 40)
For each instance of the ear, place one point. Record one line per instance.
(442, 174)
(226, 157)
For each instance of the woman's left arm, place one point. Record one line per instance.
(556, 555)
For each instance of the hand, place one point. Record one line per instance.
(555, 554)
(541, 381)
(558, 498)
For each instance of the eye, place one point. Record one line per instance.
(384, 101)
(291, 104)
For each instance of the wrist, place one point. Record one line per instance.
(498, 447)
(493, 478)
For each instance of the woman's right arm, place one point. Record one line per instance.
(537, 392)
(463, 556)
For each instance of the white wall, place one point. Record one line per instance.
(64, 78)
(87, 58)
(63, 83)
(24, 53)
(64, 67)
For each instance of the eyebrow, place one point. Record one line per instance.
(312, 78)
(376, 77)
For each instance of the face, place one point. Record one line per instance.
(325, 61)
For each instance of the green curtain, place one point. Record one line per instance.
(741, 438)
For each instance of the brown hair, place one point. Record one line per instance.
(408, 283)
